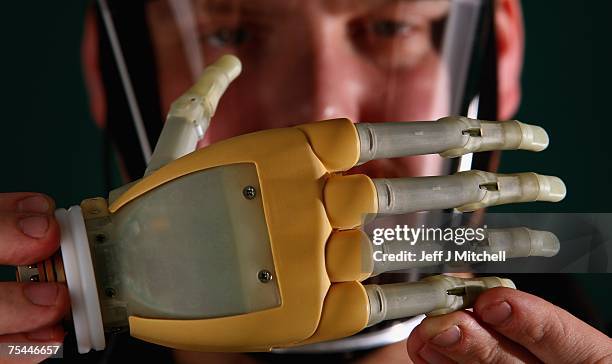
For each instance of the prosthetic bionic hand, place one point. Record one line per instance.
(252, 243)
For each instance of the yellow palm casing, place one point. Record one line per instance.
(293, 166)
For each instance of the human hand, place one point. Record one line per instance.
(508, 326)
(29, 312)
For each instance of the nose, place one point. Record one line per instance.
(337, 83)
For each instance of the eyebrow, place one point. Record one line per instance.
(257, 9)
(242, 7)
(339, 6)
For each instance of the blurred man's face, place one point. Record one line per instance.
(308, 60)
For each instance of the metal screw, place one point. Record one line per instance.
(264, 276)
(110, 292)
(100, 238)
(249, 192)
(35, 278)
(32, 266)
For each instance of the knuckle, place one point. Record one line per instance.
(476, 346)
(549, 328)
(536, 333)
(605, 358)
(484, 353)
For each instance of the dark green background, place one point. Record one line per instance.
(48, 142)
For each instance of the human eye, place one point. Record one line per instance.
(390, 28)
(390, 42)
(399, 35)
(228, 37)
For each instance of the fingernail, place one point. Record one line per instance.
(36, 203)
(45, 334)
(431, 356)
(447, 337)
(34, 226)
(496, 313)
(42, 294)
